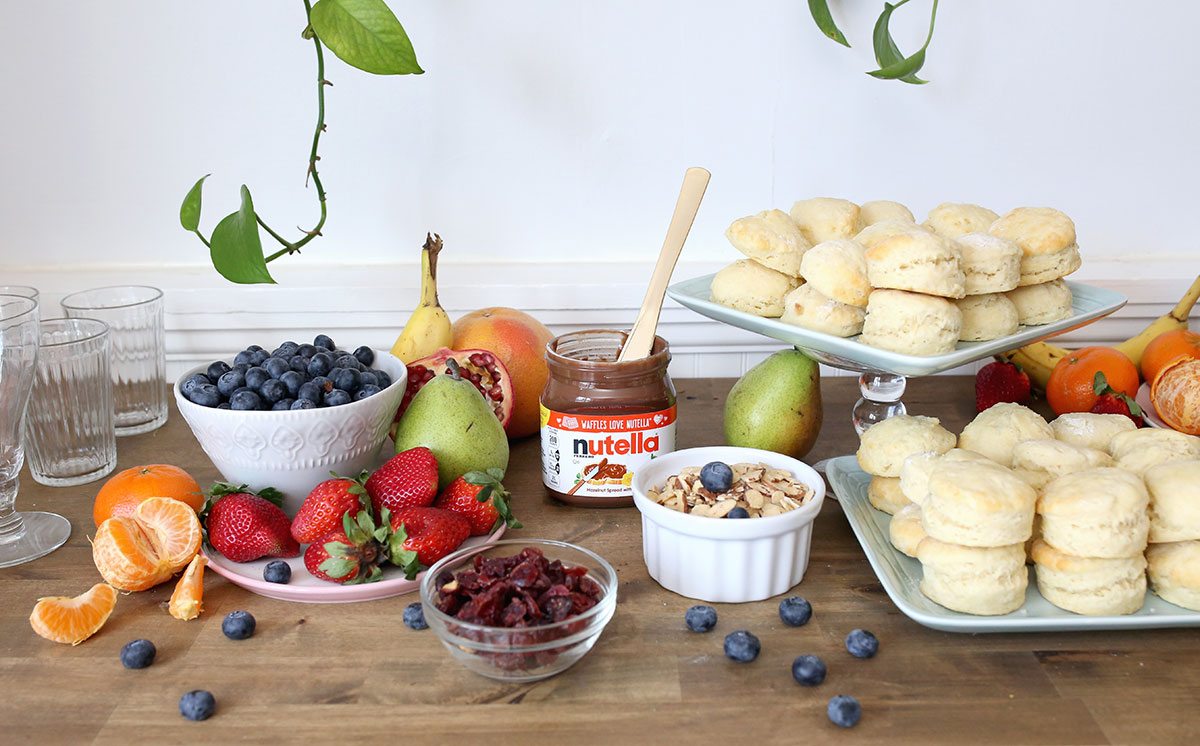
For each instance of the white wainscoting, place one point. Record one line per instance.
(208, 318)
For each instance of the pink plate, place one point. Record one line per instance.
(307, 589)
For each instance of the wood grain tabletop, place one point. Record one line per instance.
(326, 673)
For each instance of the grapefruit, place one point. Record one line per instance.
(519, 340)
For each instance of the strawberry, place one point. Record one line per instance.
(481, 499)
(324, 507)
(1000, 382)
(408, 479)
(349, 554)
(422, 536)
(1110, 401)
(245, 526)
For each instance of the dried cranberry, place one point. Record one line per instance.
(558, 608)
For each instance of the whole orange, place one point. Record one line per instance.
(1175, 394)
(124, 491)
(1167, 348)
(1071, 384)
(519, 340)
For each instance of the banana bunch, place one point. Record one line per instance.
(428, 329)
(1038, 359)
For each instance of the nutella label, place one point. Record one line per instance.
(591, 456)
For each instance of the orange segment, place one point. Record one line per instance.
(173, 527)
(126, 555)
(73, 620)
(122, 493)
(189, 591)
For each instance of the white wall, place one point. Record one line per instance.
(547, 140)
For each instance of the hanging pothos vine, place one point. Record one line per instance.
(893, 64)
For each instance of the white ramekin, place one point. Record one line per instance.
(722, 559)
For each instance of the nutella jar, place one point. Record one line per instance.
(602, 420)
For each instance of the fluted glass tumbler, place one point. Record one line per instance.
(23, 536)
(25, 291)
(134, 314)
(69, 433)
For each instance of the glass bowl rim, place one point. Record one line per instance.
(157, 294)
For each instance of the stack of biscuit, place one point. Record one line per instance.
(966, 273)
(884, 448)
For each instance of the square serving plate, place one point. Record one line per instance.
(900, 576)
(1090, 303)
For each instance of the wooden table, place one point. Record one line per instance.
(354, 672)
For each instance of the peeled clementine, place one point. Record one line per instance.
(137, 552)
(1071, 384)
(1175, 394)
(122, 493)
(186, 600)
(73, 620)
(1168, 348)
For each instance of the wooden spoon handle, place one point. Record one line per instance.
(641, 339)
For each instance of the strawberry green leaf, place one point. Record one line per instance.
(1100, 383)
(336, 567)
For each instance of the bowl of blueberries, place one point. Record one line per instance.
(287, 417)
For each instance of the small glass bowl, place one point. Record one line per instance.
(526, 653)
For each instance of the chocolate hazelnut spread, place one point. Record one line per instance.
(601, 419)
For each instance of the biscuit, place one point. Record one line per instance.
(918, 262)
(996, 431)
(1042, 304)
(915, 471)
(1090, 585)
(1139, 451)
(883, 447)
(1090, 430)
(878, 210)
(1041, 460)
(875, 233)
(986, 581)
(884, 494)
(911, 323)
(986, 317)
(977, 505)
(951, 219)
(748, 286)
(838, 269)
(1047, 240)
(1174, 489)
(1174, 571)
(905, 530)
(991, 264)
(806, 307)
(770, 238)
(823, 218)
(1098, 512)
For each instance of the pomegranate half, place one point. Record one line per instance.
(480, 367)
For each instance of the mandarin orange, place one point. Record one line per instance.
(122, 493)
(1168, 348)
(137, 552)
(1175, 394)
(1071, 384)
(73, 620)
(186, 600)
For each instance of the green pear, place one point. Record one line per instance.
(776, 406)
(451, 418)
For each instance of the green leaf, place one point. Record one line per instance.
(236, 248)
(189, 211)
(886, 51)
(365, 34)
(904, 68)
(1099, 383)
(824, 20)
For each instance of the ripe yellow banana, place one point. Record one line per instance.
(428, 329)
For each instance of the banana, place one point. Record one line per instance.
(428, 329)
(1037, 360)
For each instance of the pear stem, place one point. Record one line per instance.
(452, 366)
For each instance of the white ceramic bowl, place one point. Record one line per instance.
(295, 450)
(721, 559)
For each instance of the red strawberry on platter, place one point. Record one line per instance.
(481, 499)
(408, 479)
(422, 536)
(351, 553)
(1110, 401)
(245, 526)
(324, 507)
(1000, 382)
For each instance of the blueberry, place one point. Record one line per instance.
(795, 611)
(320, 364)
(716, 477)
(738, 512)
(700, 618)
(310, 392)
(254, 348)
(346, 379)
(277, 571)
(282, 405)
(238, 625)
(292, 381)
(285, 350)
(224, 405)
(138, 654)
(741, 646)
(298, 363)
(260, 357)
(323, 340)
(346, 361)
(365, 355)
(384, 379)
(242, 389)
(303, 404)
(197, 705)
(414, 617)
(307, 350)
(231, 381)
(365, 391)
(206, 395)
(276, 366)
(245, 401)
(192, 381)
(256, 376)
(241, 367)
(272, 391)
(243, 358)
(323, 383)
(844, 711)
(217, 369)
(337, 398)
(862, 644)
(368, 378)
(808, 670)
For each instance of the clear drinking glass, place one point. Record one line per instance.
(23, 536)
(25, 291)
(69, 425)
(134, 314)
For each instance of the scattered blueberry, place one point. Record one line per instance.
(303, 404)
(197, 705)
(293, 381)
(272, 390)
(414, 617)
(365, 391)
(320, 364)
(346, 379)
(306, 350)
(256, 376)
(259, 357)
(795, 611)
(862, 644)
(323, 340)
(245, 401)
(701, 618)
(365, 355)
(231, 381)
(238, 625)
(844, 711)
(217, 369)
(282, 405)
(310, 392)
(337, 398)
(192, 381)
(738, 512)
(808, 670)
(277, 571)
(138, 654)
(206, 395)
(716, 477)
(741, 646)
(276, 366)
(243, 358)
